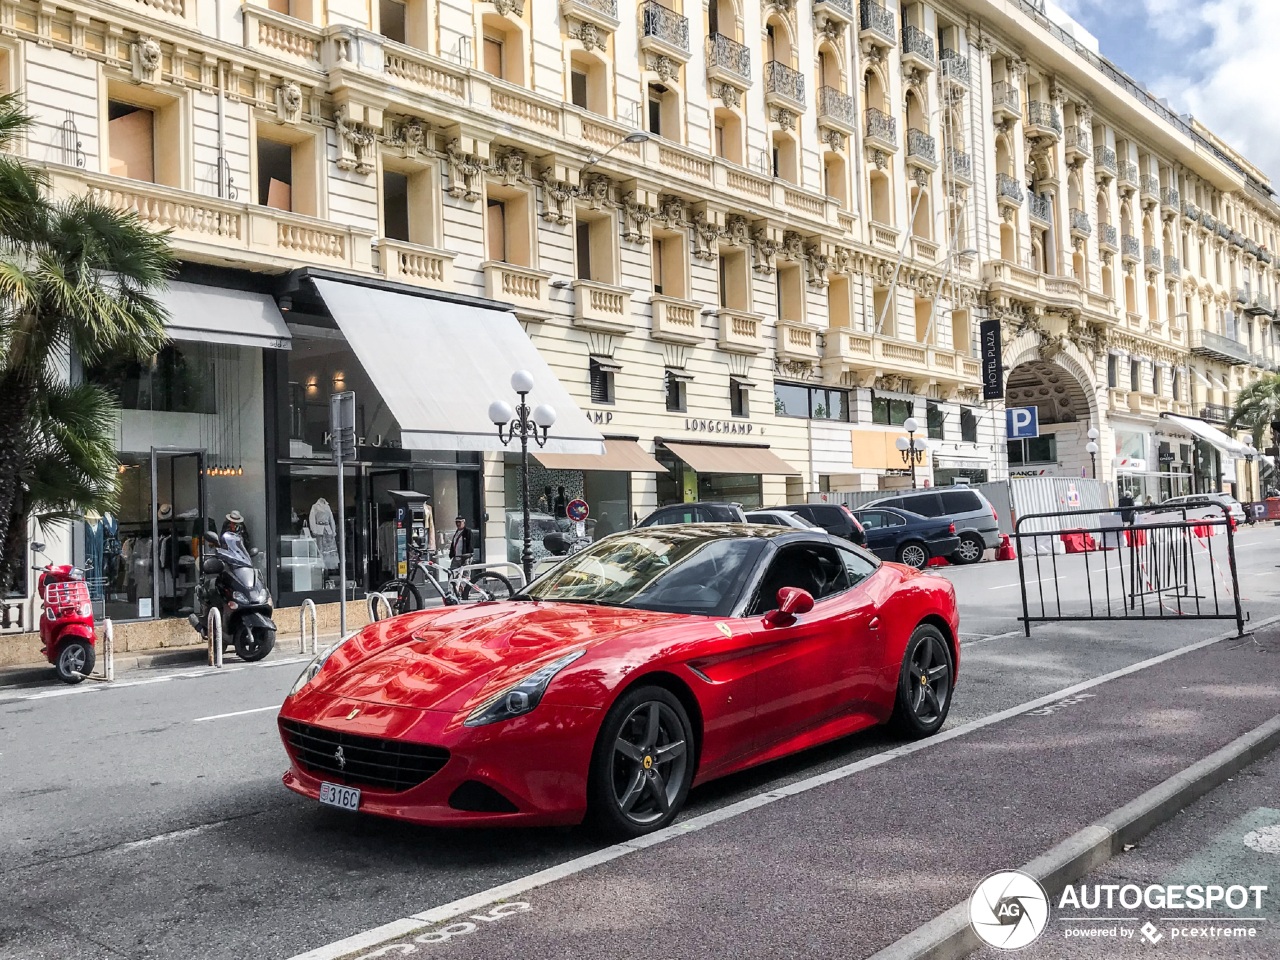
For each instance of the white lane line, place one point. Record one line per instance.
(238, 713)
(1030, 583)
(165, 837)
(998, 636)
(515, 888)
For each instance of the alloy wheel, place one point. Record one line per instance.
(969, 550)
(930, 680)
(913, 555)
(649, 762)
(71, 661)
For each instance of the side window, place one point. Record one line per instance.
(857, 566)
(896, 503)
(926, 504)
(813, 567)
(872, 519)
(961, 501)
(894, 520)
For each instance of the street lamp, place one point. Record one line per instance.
(636, 136)
(1092, 449)
(523, 424)
(1250, 452)
(911, 447)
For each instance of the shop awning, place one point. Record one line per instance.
(220, 315)
(1208, 433)
(439, 364)
(731, 458)
(620, 456)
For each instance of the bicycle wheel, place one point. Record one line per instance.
(403, 596)
(487, 586)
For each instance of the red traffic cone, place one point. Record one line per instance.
(1005, 551)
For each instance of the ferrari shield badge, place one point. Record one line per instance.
(724, 628)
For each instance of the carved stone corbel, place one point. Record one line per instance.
(146, 57)
(557, 199)
(596, 191)
(510, 166)
(355, 143)
(289, 102)
(765, 248)
(413, 138)
(464, 172)
(635, 216)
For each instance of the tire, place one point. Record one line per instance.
(913, 553)
(254, 643)
(402, 595)
(970, 550)
(920, 709)
(75, 661)
(624, 786)
(487, 586)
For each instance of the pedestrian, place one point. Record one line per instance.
(604, 526)
(1148, 502)
(460, 545)
(1126, 500)
(561, 504)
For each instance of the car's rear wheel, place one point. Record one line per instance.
(914, 554)
(924, 684)
(642, 765)
(970, 550)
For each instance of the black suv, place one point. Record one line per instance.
(694, 513)
(835, 518)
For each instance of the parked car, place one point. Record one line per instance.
(835, 518)
(1224, 500)
(780, 518)
(704, 512)
(907, 537)
(977, 523)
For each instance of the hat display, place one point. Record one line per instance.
(165, 511)
(456, 519)
(235, 516)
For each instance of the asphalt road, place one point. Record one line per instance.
(148, 820)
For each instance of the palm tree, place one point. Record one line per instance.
(75, 277)
(1258, 411)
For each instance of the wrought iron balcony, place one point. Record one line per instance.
(1255, 304)
(882, 129)
(1008, 188)
(727, 59)
(1150, 188)
(917, 46)
(1191, 212)
(1224, 231)
(663, 29)
(1041, 208)
(1236, 238)
(1216, 346)
(1209, 222)
(1173, 266)
(1170, 199)
(837, 109)
(1043, 119)
(1154, 258)
(922, 148)
(1080, 226)
(955, 68)
(1104, 158)
(1006, 100)
(1079, 144)
(841, 10)
(960, 164)
(1251, 248)
(1215, 412)
(1130, 248)
(602, 13)
(877, 22)
(1128, 176)
(1264, 255)
(784, 84)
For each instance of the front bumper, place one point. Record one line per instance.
(537, 763)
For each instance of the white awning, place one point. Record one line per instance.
(221, 315)
(1220, 384)
(1201, 377)
(1208, 433)
(439, 364)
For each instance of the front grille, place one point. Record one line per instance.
(365, 761)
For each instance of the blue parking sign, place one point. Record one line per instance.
(1022, 423)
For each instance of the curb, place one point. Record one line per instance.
(950, 937)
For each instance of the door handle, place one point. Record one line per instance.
(874, 624)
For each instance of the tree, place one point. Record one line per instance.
(76, 278)
(1258, 411)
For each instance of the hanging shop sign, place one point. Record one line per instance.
(992, 358)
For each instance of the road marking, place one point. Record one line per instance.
(417, 922)
(1031, 583)
(238, 713)
(165, 837)
(998, 636)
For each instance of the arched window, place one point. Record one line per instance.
(501, 50)
(589, 83)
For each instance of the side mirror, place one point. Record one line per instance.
(37, 547)
(212, 538)
(211, 566)
(792, 602)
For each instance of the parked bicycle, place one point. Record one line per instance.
(404, 594)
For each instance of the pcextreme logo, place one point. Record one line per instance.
(1009, 910)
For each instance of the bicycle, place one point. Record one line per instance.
(404, 594)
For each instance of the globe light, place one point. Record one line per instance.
(1091, 448)
(903, 444)
(522, 381)
(544, 415)
(1093, 433)
(911, 425)
(921, 445)
(500, 412)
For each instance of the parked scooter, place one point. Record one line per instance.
(66, 625)
(233, 587)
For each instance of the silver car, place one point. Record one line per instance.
(977, 524)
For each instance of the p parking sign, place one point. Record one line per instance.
(1022, 423)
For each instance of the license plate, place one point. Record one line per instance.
(344, 798)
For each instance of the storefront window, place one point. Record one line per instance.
(812, 403)
(606, 492)
(890, 411)
(743, 488)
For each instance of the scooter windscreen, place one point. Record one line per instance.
(233, 553)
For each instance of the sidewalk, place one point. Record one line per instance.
(849, 867)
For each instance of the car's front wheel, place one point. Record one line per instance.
(924, 684)
(642, 765)
(970, 550)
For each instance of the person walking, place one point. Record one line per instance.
(460, 545)
(1126, 500)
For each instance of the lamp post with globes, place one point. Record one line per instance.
(911, 447)
(524, 425)
(1250, 454)
(1092, 449)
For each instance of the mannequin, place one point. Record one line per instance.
(93, 549)
(325, 529)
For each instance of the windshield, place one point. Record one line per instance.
(232, 551)
(669, 569)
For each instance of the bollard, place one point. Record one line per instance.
(371, 601)
(308, 606)
(215, 639)
(108, 651)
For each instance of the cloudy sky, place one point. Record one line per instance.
(1215, 59)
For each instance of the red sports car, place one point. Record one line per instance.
(652, 661)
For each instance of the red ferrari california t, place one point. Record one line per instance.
(652, 661)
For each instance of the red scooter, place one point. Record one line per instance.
(66, 625)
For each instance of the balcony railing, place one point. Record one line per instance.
(1215, 412)
(876, 19)
(1130, 248)
(1080, 223)
(1191, 212)
(955, 67)
(730, 55)
(663, 23)
(1041, 208)
(606, 11)
(1218, 347)
(837, 106)
(1129, 173)
(881, 126)
(1078, 141)
(1154, 257)
(1169, 197)
(1008, 187)
(1173, 266)
(842, 6)
(1104, 158)
(1044, 115)
(960, 164)
(1209, 222)
(1005, 95)
(1107, 235)
(783, 81)
(918, 43)
(1150, 186)
(921, 146)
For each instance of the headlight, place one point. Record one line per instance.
(312, 668)
(522, 697)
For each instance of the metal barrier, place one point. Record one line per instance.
(308, 606)
(511, 571)
(371, 602)
(215, 638)
(108, 651)
(1166, 566)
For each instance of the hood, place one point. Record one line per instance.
(451, 658)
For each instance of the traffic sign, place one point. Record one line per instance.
(577, 510)
(1022, 423)
(342, 425)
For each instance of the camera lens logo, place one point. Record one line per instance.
(1009, 910)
